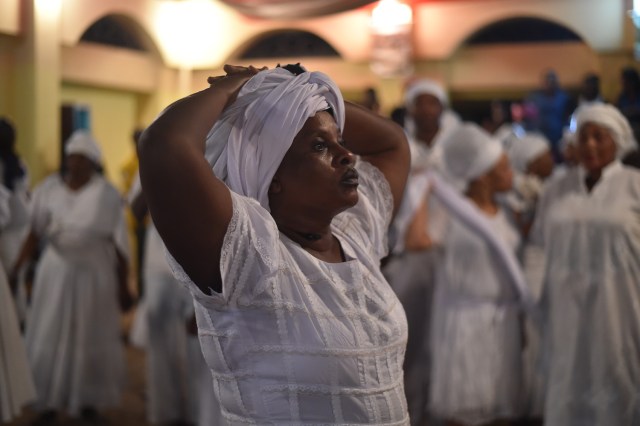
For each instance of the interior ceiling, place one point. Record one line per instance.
(285, 9)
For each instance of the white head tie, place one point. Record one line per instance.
(247, 144)
(469, 152)
(81, 142)
(608, 116)
(425, 87)
(526, 149)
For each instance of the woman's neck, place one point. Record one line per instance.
(427, 136)
(76, 182)
(483, 197)
(314, 236)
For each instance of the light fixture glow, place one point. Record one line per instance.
(391, 16)
(187, 32)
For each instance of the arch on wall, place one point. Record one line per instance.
(517, 29)
(285, 43)
(121, 31)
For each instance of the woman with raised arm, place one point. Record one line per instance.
(281, 244)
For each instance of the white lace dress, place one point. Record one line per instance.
(292, 340)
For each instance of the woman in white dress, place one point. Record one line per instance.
(14, 176)
(588, 224)
(281, 244)
(16, 382)
(476, 333)
(73, 329)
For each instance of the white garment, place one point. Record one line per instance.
(476, 334)
(16, 382)
(167, 308)
(591, 298)
(292, 340)
(14, 234)
(73, 329)
(424, 158)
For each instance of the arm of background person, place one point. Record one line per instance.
(381, 142)
(190, 207)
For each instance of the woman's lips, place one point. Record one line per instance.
(350, 178)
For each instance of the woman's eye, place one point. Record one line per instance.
(319, 146)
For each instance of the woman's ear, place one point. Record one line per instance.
(275, 186)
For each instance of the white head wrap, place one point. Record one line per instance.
(568, 138)
(526, 149)
(81, 142)
(608, 116)
(247, 144)
(425, 87)
(469, 152)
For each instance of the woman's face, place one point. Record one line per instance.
(79, 167)
(501, 176)
(317, 172)
(596, 148)
(426, 112)
(541, 166)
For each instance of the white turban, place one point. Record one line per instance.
(568, 138)
(469, 152)
(526, 149)
(425, 87)
(608, 116)
(247, 144)
(81, 142)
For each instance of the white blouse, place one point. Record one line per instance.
(293, 340)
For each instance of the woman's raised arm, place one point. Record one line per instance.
(381, 142)
(190, 207)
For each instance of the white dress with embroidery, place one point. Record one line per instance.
(292, 340)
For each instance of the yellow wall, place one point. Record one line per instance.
(113, 115)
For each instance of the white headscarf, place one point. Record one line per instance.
(469, 152)
(425, 87)
(608, 116)
(526, 149)
(247, 144)
(81, 142)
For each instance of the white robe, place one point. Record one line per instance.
(16, 382)
(591, 298)
(476, 334)
(73, 330)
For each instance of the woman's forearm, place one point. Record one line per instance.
(369, 134)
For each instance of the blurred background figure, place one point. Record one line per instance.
(477, 320)
(588, 230)
(73, 330)
(15, 179)
(552, 109)
(370, 100)
(628, 101)
(16, 383)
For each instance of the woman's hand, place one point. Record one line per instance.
(232, 82)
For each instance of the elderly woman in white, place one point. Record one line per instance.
(588, 223)
(281, 244)
(73, 329)
(476, 331)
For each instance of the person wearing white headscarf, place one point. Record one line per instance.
(73, 329)
(417, 233)
(476, 326)
(280, 244)
(588, 227)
